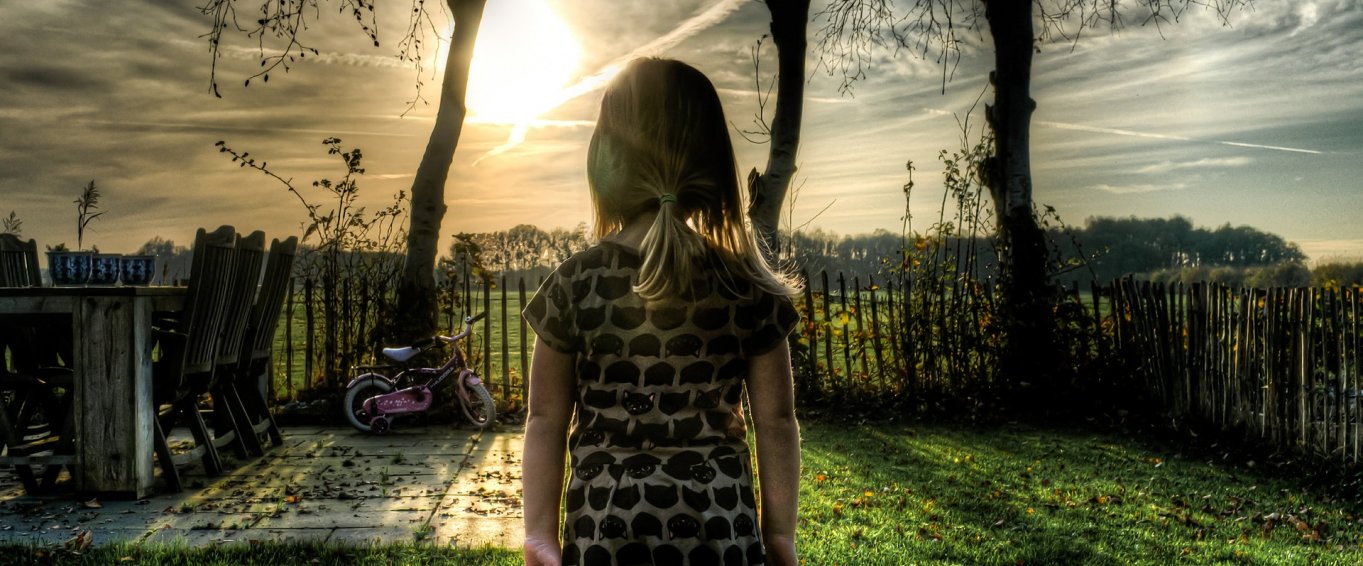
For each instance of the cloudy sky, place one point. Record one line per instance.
(1257, 123)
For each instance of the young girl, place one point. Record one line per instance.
(646, 343)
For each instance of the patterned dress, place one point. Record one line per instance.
(661, 472)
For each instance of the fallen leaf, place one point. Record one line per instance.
(80, 542)
(93, 504)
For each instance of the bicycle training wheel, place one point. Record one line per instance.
(477, 405)
(355, 398)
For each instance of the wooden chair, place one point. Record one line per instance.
(19, 262)
(189, 352)
(35, 422)
(230, 427)
(252, 367)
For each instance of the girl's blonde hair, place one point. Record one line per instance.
(662, 132)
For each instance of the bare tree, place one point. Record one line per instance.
(935, 29)
(286, 21)
(767, 190)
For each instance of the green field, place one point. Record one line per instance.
(288, 369)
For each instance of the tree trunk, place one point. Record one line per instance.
(767, 191)
(1028, 353)
(416, 309)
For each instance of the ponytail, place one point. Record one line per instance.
(670, 250)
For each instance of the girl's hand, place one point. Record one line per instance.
(542, 552)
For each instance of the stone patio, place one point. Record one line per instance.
(439, 484)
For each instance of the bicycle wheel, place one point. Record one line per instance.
(477, 405)
(355, 398)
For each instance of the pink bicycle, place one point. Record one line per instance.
(373, 400)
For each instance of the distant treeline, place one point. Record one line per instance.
(1107, 248)
(1104, 249)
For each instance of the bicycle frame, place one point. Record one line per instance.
(417, 397)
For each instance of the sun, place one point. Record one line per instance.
(524, 56)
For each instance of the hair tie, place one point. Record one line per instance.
(666, 198)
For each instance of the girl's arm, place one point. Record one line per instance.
(546, 432)
(772, 398)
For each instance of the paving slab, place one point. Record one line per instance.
(437, 484)
(328, 516)
(479, 531)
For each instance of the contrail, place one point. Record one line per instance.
(218, 127)
(700, 22)
(1114, 131)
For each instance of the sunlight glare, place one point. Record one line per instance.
(524, 57)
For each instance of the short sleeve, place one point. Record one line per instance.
(777, 317)
(549, 312)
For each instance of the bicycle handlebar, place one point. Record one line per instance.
(468, 328)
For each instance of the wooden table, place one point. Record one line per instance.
(111, 331)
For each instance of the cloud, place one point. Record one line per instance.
(130, 124)
(1138, 189)
(1206, 162)
(752, 94)
(1152, 135)
(1331, 250)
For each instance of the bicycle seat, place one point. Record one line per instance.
(401, 354)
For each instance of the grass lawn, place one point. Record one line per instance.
(940, 494)
(901, 494)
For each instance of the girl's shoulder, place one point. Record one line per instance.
(604, 255)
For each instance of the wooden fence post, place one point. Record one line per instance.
(288, 344)
(506, 355)
(454, 304)
(487, 326)
(525, 343)
(346, 330)
(846, 329)
(875, 335)
(812, 324)
(828, 336)
(308, 346)
(861, 330)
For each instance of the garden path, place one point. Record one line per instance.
(438, 484)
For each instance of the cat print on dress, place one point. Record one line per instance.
(636, 403)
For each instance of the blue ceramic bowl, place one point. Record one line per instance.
(69, 268)
(104, 269)
(138, 269)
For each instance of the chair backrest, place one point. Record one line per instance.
(274, 289)
(210, 285)
(250, 256)
(19, 262)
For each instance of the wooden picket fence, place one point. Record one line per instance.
(304, 344)
(856, 335)
(1281, 364)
